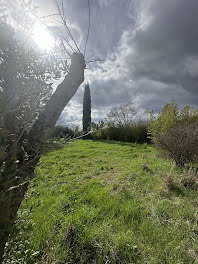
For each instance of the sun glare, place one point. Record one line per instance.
(42, 37)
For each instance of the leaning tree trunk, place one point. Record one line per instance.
(15, 179)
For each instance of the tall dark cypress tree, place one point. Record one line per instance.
(87, 109)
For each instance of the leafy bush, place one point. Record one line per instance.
(135, 132)
(180, 143)
(61, 132)
(170, 117)
(122, 124)
(175, 132)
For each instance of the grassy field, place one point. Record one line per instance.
(105, 202)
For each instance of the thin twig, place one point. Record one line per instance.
(88, 28)
(49, 15)
(94, 61)
(65, 48)
(63, 9)
(90, 132)
(65, 24)
(42, 22)
(68, 43)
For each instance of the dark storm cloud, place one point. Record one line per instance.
(150, 49)
(108, 20)
(160, 57)
(168, 42)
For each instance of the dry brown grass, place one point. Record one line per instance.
(189, 179)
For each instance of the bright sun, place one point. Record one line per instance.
(42, 37)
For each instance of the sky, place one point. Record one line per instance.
(148, 51)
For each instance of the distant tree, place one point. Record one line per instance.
(87, 109)
(123, 124)
(122, 115)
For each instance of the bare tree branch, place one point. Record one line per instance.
(65, 23)
(88, 28)
(50, 15)
(95, 60)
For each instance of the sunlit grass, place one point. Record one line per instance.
(96, 202)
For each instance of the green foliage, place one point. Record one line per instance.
(61, 132)
(25, 87)
(95, 202)
(25, 77)
(175, 132)
(122, 124)
(170, 117)
(87, 109)
(135, 132)
(180, 143)
(166, 119)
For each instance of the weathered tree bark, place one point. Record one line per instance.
(14, 184)
(10, 201)
(48, 118)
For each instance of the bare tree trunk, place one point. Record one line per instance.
(48, 118)
(10, 201)
(11, 190)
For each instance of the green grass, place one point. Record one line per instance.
(97, 202)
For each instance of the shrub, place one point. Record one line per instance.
(166, 119)
(180, 143)
(139, 132)
(122, 124)
(61, 132)
(175, 132)
(170, 117)
(135, 132)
